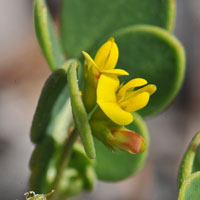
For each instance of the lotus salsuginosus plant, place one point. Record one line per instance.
(109, 70)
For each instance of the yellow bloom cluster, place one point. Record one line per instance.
(116, 102)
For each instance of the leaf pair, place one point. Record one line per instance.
(51, 126)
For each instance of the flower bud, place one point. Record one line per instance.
(127, 140)
(118, 136)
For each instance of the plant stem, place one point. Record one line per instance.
(64, 160)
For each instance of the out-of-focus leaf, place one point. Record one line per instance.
(52, 115)
(84, 166)
(47, 36)
(190, 188)
(39, 164)
(79, 175)
(51, 124)
(84, 22)
(49, 130)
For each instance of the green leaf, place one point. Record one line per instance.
(120, 165)
(190, 188)
(79, 112)
(84, 22)
(46, 35)
(79, 174)
(76, 178)
(191, 160)
(153, 54)
(40, 165)
(50, 126)
(71, 184)
(84, 166)
(52, 115)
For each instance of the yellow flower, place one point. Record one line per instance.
(117, 102)
(105, 60)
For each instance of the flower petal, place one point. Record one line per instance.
(92, 66)
(149, 88)
(135, 102)
(107, 87)
(116, 113)
(136, 82)
(118, 72)
(89, 60)
(106, 98)
(107, 55)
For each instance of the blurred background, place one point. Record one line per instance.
(23, 72)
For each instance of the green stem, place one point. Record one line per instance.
(64, 161)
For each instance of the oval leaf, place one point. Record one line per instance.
(80, 114)
(53, 106)
(190, 188)
(84, 166)
(191, 160)
(50, 127)
(46, 35)
(120, 165)
(153, 54)
(85, 22)
(39, 164)
(79, 175)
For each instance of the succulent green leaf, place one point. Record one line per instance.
(40, 163)
(83, 23)
(120, 165)
(75, 177)
(52, 115)
(154, 54)
(79, 175)
(47, 36)
(79, 112)
(71, 184)
(51, 123)
(191, 160)
(84, 166)
(190, 188)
